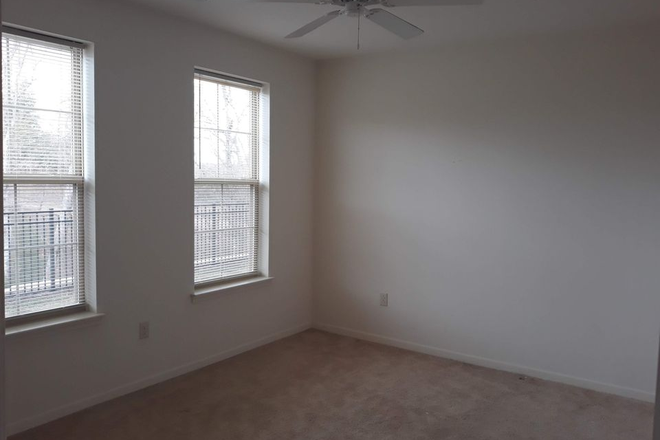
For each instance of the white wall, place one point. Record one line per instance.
(144, 199)
(505, 195)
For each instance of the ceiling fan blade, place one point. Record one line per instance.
(391, 3)
(309, 27)
(393, 23)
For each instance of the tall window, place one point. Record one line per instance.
(226, 178)
(43, 173)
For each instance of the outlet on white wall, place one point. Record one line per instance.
(144, 330)
(384, 299)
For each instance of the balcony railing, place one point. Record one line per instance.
(41, 260)
(225, 237)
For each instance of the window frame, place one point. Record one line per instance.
(79, 183)
(260, 184)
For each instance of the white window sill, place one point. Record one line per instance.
(213, 291)
(74, 320)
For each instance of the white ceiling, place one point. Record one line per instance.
(270, 22)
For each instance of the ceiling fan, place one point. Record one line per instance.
(359, 8)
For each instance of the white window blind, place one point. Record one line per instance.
(43, 179)
(226, 178)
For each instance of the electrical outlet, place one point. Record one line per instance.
(384, 299)
(144, 330)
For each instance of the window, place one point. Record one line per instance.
(227, 189)
(43, 183)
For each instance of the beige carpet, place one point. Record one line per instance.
(315, 386)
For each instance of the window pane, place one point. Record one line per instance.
(42, 247)
(224, 155)
(225, 230)
(224, 107)
(226, 122)
(42, 108)
(38, 143)
(40, 74)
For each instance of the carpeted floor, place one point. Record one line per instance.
(316, 385)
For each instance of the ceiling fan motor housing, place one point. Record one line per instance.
(353, 9)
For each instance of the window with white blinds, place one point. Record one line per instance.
(43, 180)
(226, 178)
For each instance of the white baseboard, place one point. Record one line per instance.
(490, 363)
(70, 408)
